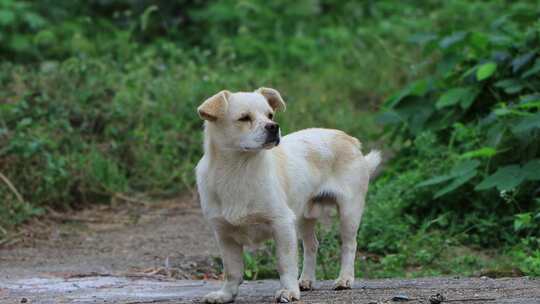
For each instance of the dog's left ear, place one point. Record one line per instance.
(273, 97)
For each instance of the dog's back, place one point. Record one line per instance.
(323, 164)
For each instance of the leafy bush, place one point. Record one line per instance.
(480, 109)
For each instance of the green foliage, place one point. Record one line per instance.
(479, 107)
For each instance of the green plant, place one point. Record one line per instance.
(481, 104)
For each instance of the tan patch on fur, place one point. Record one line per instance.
(346, 149)
(315, 159)
(281, 160)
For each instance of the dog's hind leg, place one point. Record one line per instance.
(350, 212)
(310, 246)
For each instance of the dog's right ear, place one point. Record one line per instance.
(273, 97)
(214, 107)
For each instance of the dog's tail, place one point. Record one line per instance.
(373, 159)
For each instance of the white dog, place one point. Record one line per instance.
(254, 185)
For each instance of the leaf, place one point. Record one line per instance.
(487, 152)
(435, 180)
(479, 41)
(415, 111)
(448, 64)
(422, 38)
(388, 117)
(465, 95)
(20, 43)
(6, 17)
(510, 86)
(519, 62)
(532, 71)
(529, 105)
(486, 70)
(417, 88)
(248, 258)
(453, 39)
(456, 183)
(527, 123)
(522, 220)
(531, 170)
(467, 100)
(34, 20)
(529, 98)
(495, 134)
(504, 178)
(451, 97)
(504, 111)
(464, 167)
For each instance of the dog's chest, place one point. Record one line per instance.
(242, 198)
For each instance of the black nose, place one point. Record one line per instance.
(272, 128)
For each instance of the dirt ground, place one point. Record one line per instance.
(163, 253)
(133, 290)
(169, 236)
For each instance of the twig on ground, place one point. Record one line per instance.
(439, 298)
(11, 239)
(470, 300)
(11, 187)
(65, 217)
(86, 275)
(126, 198)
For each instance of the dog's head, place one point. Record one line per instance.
(243, 121)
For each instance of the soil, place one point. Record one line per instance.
(164, 253)
(169, 236)
(153, 290)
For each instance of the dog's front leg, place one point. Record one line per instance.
(233, 264)
(287, 252)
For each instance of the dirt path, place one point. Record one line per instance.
(144, 290)
(122, 238)
(133, 253)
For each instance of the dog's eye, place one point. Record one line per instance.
(245, 118)
(270, 116)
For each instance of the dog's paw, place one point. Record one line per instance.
(286, 296)
(218, 297)
(305, 285)
(343, 283)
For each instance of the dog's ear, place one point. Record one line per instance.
(214, 107)
(273, 97)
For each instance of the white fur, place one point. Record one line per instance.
(251, 191)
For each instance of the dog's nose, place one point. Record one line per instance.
(272, 128)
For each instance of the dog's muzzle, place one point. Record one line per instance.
(272, 137)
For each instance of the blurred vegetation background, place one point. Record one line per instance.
(98, 99)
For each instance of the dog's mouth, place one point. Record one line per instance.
(271, 141)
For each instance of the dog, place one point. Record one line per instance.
(254, 185)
